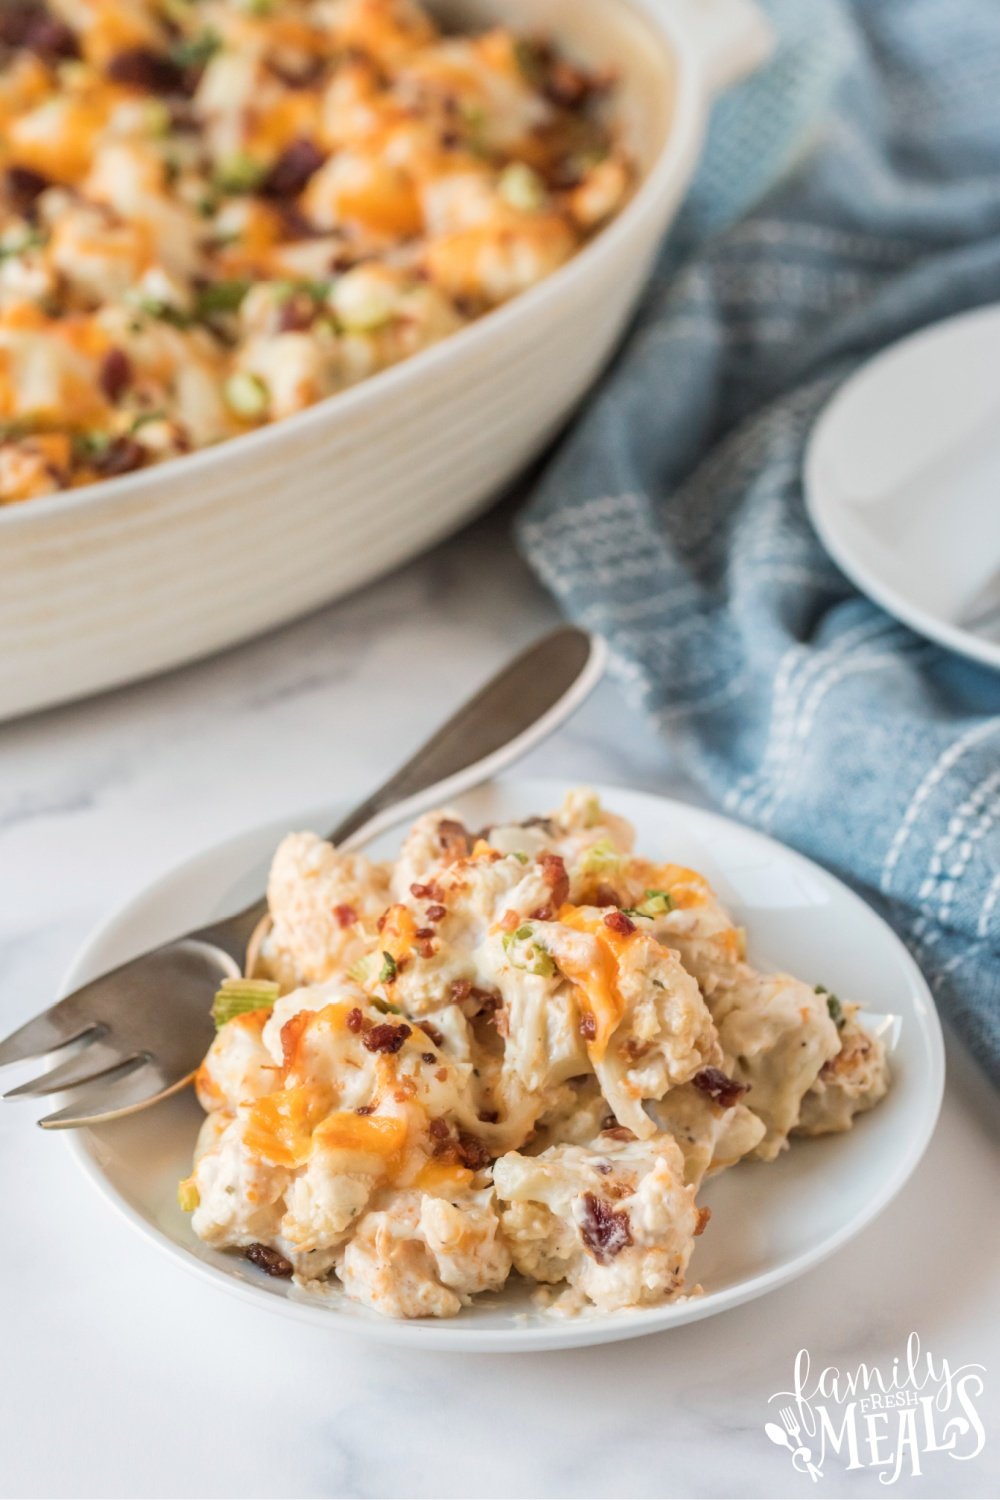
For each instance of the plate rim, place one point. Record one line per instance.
(823, 510)
(450, 1334)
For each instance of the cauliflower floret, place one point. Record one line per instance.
(614, 1219)
(643, 1016)
(711, 1132)
(850, 1082)
(778, 1034)
(240, 1194)
(238, 1066)
(321, 901)
(423, 1256)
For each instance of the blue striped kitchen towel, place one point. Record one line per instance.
(850, 193)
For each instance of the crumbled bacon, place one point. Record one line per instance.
(719, 1087)
(471, 1152)
(605, 1231)
(268, 1260)
(293, 169)
(460, 990)
(23, 186)
(425, 948)
(365, 1109)
(142, 68)
(428, 1058)
(115, 375)
(421, 892)
(355, 1020)
(453, 838)
(619, 922)
(553, 870)
(620, 1133)
(588, 1026)
(542, 914)
(605, 895)
(345, 915)
(387, 1037)
(435, 912)
(30, 26)
(704, 1214)
(120, 457)
(440, 1129)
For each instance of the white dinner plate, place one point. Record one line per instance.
(770, 1222)
(902, 473)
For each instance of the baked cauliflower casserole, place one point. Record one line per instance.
(522, 1049)
(214, 213)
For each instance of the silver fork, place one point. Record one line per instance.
(144, 1027)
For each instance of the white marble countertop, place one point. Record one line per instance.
(121, 1376)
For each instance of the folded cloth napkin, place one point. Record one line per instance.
(850, 193)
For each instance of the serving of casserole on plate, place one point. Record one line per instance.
(376, 223)
(514, 1072)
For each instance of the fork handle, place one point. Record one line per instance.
(503, 721)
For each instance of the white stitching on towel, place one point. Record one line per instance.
(945, 761)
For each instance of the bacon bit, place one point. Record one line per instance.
(355, 1020)
(619, 922)
(605, 895)
(23, 186)
(115, 375)
(380, 924)
(588, 1026)
(604, 1231)
(292, 170)
(120, 457)
(719, 1087)
(425, 932)
(542, 914)
(620, 1133)
(471, 1152)
(365, 1109)
(433, 1033)
(345, 915)
(440, 1129)
(386, 1038)
(461, 989)
(553, 870)
(30, 26)
(442, 1073)
(510, 921)
(425, 948)
(142, 68)
(268, 1260)
(454, 839)
(436, 912)
(428, 1057)
(490, 1001)
(421, 892)
(704, 1214)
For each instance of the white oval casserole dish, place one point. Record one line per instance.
(124, 578)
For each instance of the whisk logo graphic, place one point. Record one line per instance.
(869, 1418)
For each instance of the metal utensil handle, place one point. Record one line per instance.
(503, 721)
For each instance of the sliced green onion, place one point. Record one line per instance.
(220, 297)
(195, 51)
(533, 959)
(246, 394)
(521, 188)
(238, 997)
(188, 1195)
(389, 969)
(240, 174)
(600, 859)
(656, 904)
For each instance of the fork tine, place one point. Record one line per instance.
(118, 1096)
(99, 1060)
(54, 1028)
